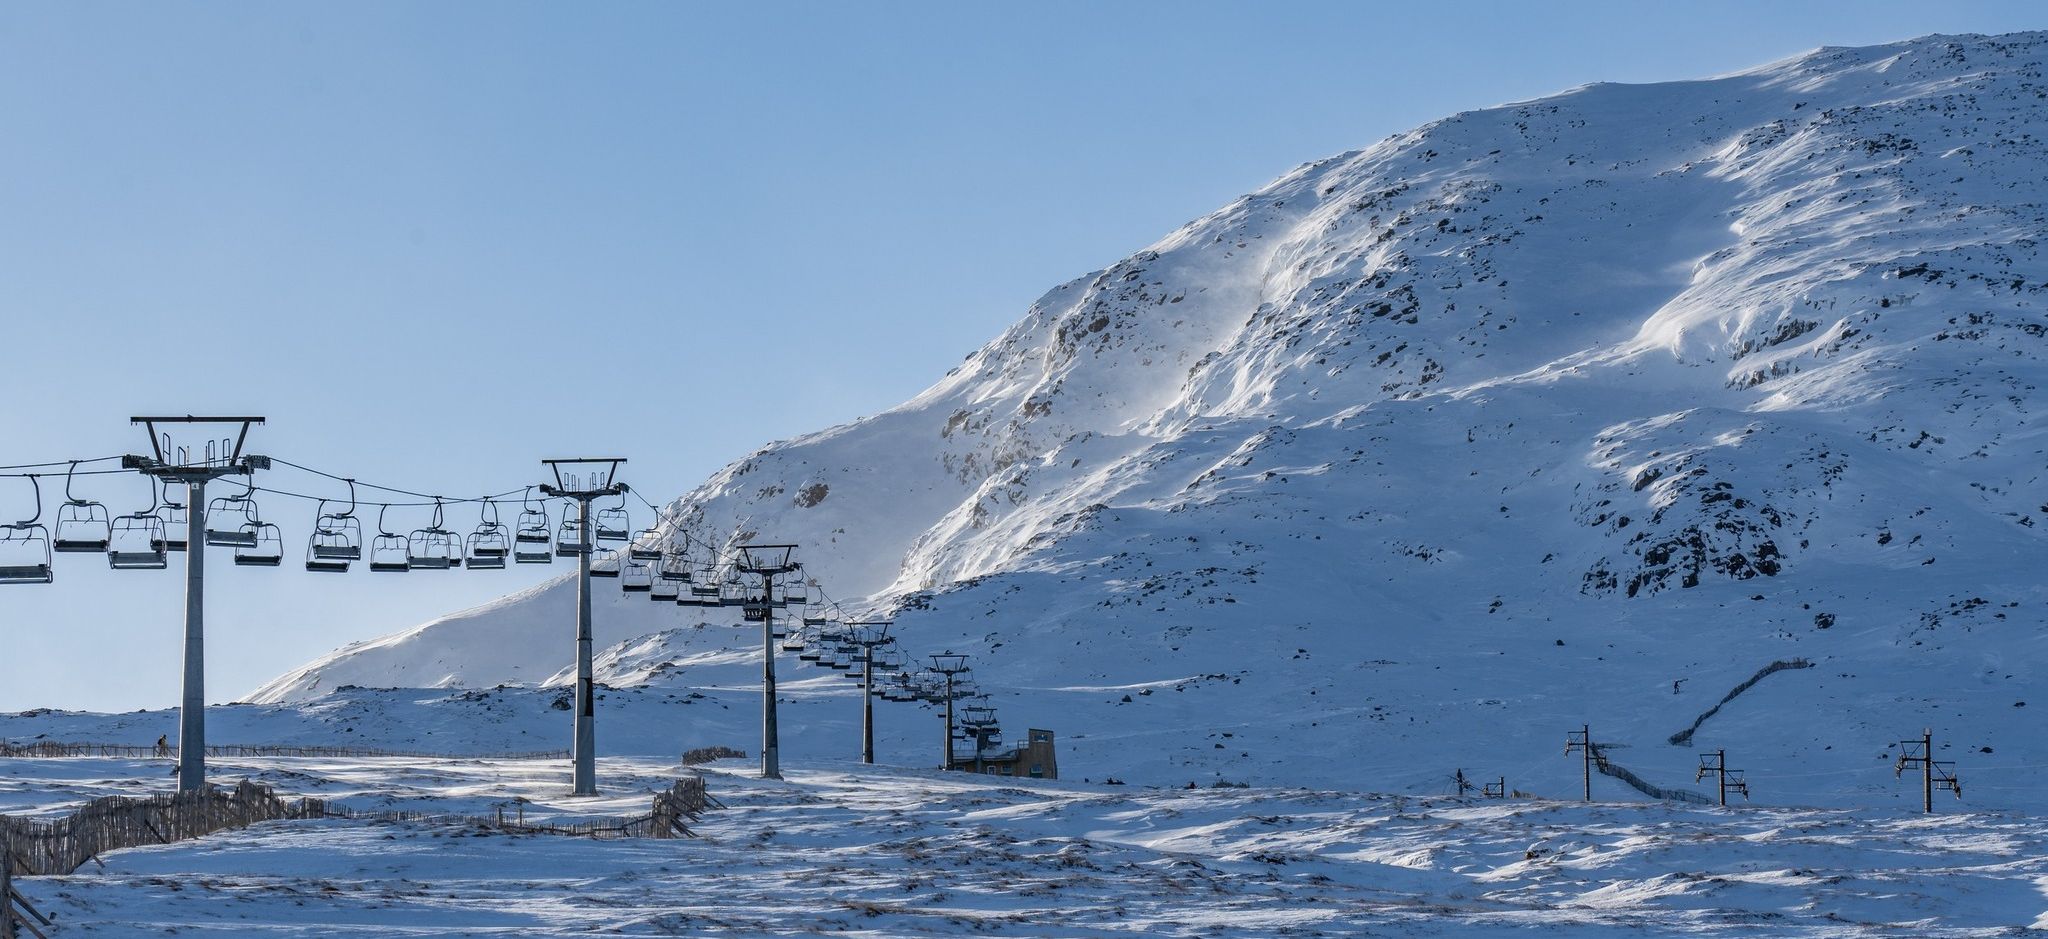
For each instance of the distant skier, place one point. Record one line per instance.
(163, 747)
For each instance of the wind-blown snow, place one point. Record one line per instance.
(1581, 409)
(842, 849)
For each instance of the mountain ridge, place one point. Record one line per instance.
(1596, 368)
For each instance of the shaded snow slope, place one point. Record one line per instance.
(1519, 420)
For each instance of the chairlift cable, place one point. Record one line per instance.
(97, 459)
(402, 492)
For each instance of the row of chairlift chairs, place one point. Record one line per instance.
(144, 540)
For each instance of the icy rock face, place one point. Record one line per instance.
(1588, 358)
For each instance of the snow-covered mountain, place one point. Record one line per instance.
(1581, 409)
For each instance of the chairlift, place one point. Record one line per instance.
(325, 550)
(572, 540)
(265, 547)
(177, 521)
(136, 542)
(615, 523)
(705, 579)
(337, 538)
(648, 545)
(82, 524)
(388, 552)
(531, 539)
(675, 566)
(816, 613)
(795, 590)
(231, 521)
(608, 566)
(433, 548)
(25, 547)
(488, 545)
(732, 592)
(636, 576)
(664, 590)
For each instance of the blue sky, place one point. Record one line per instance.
(434, 243)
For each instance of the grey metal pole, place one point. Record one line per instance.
(1587, 729)
(192, 712)
(1927, 772)
(1721, 757)
(948, 765)
(867, 704)
(586, 699)
(771, 751)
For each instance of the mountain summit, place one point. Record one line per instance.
(1585, 409)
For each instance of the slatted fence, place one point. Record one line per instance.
(62, 845)
(52, 749)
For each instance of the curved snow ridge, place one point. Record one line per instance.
(1505, 423)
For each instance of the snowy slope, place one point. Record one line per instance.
(842, 849)
(1582, 409)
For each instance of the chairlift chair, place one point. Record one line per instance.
(675, 567)
(608, 566)
(177, 522)
(25, 548)
(433, 548)
(231, 521)
(531, 541)
(613, 524)
(136, 543)
(732, 593)
(572, 540)
(265, 547)
(487, 548)
(705, 579)
(636, 576)
(795, 590)
(489, 545)
(329, 550)
(82, 524)
(388, 550)
(647, 546)
(816, 613)
(337, 538)
(664, 590)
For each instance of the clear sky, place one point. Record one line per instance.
(434, 243)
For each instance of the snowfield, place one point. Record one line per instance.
(844, 849)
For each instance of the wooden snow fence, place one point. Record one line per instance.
(63, 845)
(52, 749)
(17, 915)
